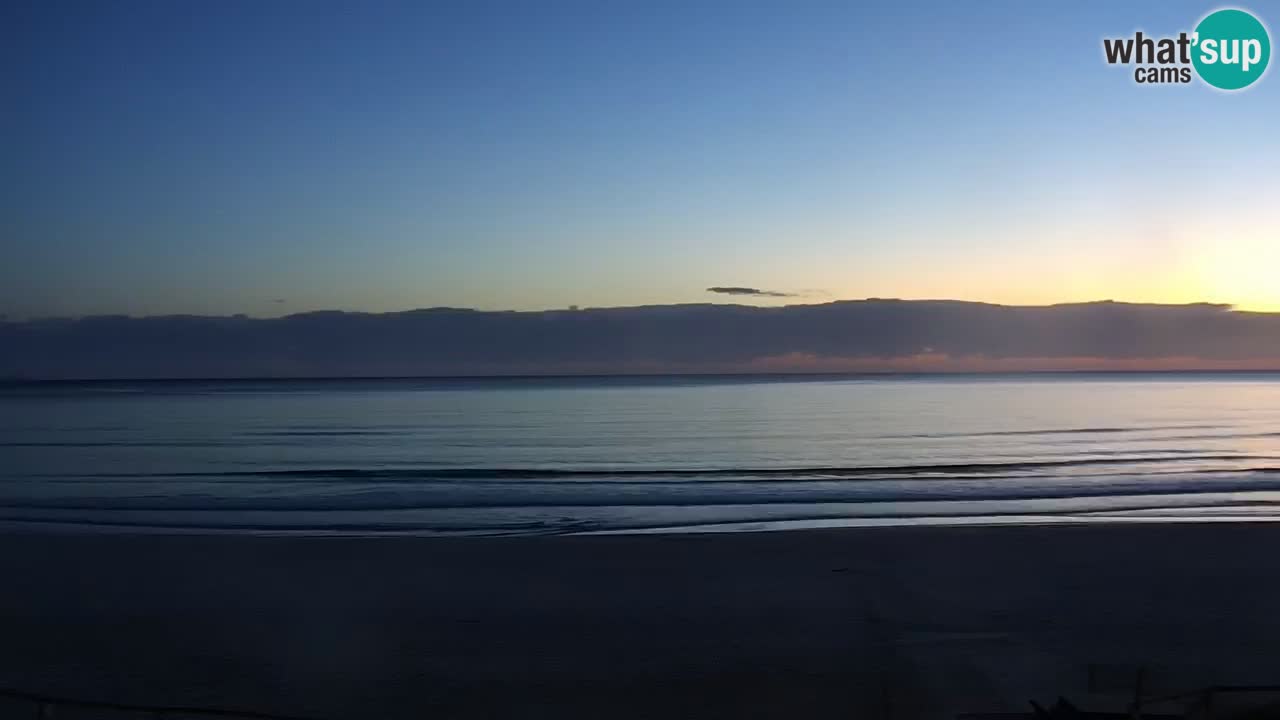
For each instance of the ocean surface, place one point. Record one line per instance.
(556, 455)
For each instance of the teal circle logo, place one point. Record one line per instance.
(1231, 49)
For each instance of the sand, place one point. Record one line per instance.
(893, 623)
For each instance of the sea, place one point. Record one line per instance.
(547, 456)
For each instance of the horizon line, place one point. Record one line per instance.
(1219, 306)
(798, 374)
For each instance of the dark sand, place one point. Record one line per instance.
(893, 623)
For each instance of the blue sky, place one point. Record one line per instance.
(277, 157)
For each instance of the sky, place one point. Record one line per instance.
(274, 158)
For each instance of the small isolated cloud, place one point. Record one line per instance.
(753, 292)
(278, 301)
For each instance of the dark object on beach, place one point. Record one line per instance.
(1203, 704)
(50, 707)
(1064, 709)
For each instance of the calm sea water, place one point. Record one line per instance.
(533, 456)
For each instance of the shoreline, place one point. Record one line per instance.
(79, 528)
(900, 622)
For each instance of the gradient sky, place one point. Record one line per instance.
(276, 157)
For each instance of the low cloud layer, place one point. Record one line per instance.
(756, 292)
(866, 335)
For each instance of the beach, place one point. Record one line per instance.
(874, 622)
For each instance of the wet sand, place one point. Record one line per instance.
(884, 622)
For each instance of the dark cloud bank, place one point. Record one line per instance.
(869, 335)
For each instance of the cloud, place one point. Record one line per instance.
(754, 292)
(843, 336)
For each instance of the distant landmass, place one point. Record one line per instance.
(846, 336)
